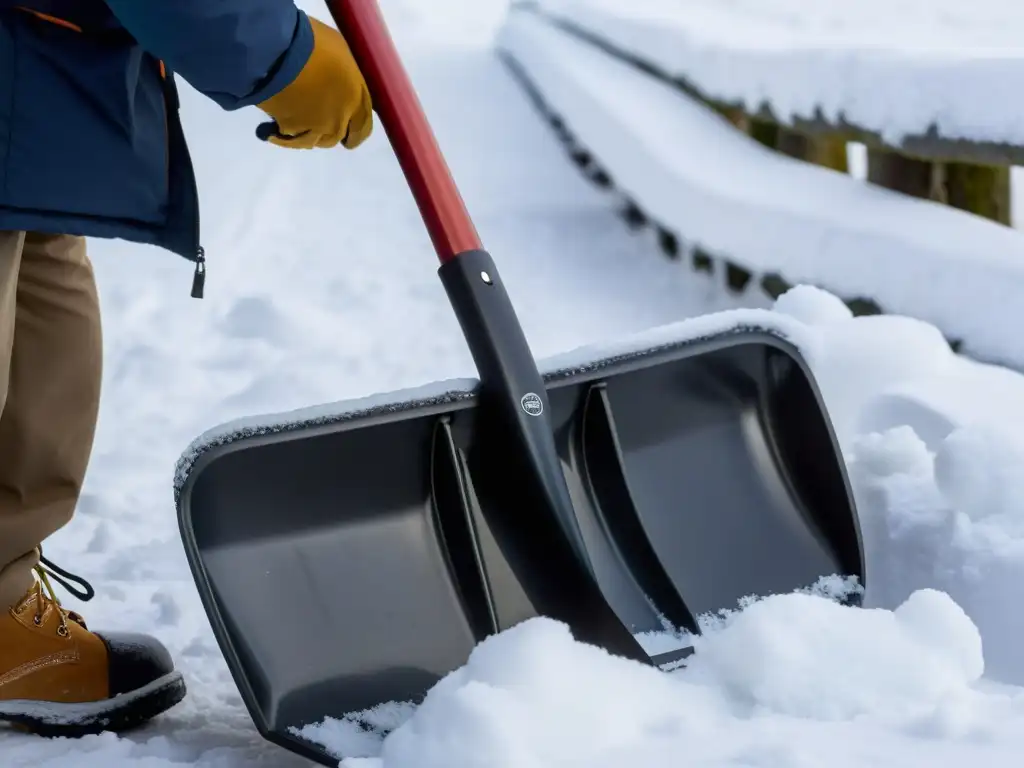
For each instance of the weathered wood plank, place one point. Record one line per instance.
(980, 189)
(826, 151)
(902, 174)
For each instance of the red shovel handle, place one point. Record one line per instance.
(401, 114)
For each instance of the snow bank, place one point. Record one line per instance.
(692, 173)
(951, 518)
(926, 674)
(937, 464)
(793, 680)
(895, 67)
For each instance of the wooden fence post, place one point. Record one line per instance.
(980, 189)
(827, 152)
(764, 132)
(902, 174)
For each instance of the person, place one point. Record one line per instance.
(91, 146)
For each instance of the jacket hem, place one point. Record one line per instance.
(15, 219)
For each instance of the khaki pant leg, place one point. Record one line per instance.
(51, 358)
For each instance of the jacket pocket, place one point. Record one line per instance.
(88, 131)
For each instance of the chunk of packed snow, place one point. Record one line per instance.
(978, 470)
(932, 520)
(935, 461)
(935, 405)
(854, 361)
(812, 306)
(803, 656)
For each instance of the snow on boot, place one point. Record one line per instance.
(57, 678)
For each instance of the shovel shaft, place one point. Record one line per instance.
(520, 471)
(395, 101)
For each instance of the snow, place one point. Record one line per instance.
(946, 521)
(898, 68)
(792, 681)
(773, 214)
(320, 290)
(763, 669)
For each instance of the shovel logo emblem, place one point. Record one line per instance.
(532, 404)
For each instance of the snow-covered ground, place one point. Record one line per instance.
(321, 287)
(687, 168)
(895, 67)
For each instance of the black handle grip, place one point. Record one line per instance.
(265, 131)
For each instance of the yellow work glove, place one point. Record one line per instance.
(327, 103)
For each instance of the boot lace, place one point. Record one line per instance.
(45, 593)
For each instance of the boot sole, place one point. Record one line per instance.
(120, 713)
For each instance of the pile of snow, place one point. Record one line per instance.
(768, 688)
(897, 67)
(928, 673)
(690, 171)
(936, 458)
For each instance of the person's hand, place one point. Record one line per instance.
(327, 103)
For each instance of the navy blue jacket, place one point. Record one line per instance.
(90, 141)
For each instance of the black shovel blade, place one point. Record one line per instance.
(353, 558)
(703, 472)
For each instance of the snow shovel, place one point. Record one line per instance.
(349, 556)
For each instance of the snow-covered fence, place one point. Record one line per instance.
(932, 89)
(757, 219)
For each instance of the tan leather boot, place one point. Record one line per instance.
(59, 679)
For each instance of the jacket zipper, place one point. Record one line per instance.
(199, 276)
